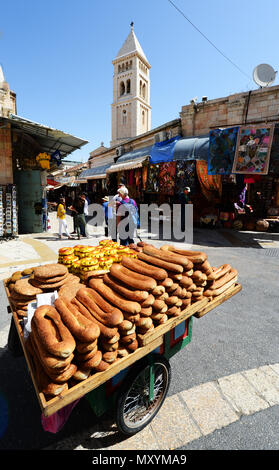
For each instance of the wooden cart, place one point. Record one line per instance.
(136, 385)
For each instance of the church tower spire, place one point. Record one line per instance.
(131, 110)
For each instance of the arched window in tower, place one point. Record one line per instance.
(128, 86)
(124, 117)
(122, 89)
(140, 91)
(143, 90)
(143, 118)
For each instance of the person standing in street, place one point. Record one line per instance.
(184, 198)
(61, 215)
(78, 209)
(84, 230)
(126, 208)
(108, 212)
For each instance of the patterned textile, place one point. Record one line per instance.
(211, 185)
(185, 176)
(253, 150)
(152, 185)
(222, 145)
(167, 178)
(144, 176)
(138, 179)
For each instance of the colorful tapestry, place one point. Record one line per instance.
(185, 176)
(222, 145)
(167, 178)
(152, 184)
(211, 185)
(253, 150)
(144, 177)
(138, 173)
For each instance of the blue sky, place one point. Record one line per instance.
(57, 56)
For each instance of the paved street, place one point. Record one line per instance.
(224, 392)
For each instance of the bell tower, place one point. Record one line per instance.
(131, 110)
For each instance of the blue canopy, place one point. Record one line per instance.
(163, 151)
(192, 148)
(95, 172)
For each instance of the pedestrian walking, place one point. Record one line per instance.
(61, 215)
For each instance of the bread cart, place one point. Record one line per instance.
(134, 386)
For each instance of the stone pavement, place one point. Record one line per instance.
(191, 414)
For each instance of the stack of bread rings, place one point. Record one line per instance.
(93, 261)
(97, 323)
(204, 280)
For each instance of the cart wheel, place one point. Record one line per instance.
(142, 394)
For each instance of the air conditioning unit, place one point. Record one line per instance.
(160, 136)
(169, 134)
(119, 151)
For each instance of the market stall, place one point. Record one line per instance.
(31, 151)
(79, 333)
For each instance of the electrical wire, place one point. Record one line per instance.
(207, 39)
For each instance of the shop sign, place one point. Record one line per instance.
(43, 160)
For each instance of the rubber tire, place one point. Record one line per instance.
(125, 388)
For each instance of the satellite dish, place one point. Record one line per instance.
(264, 75)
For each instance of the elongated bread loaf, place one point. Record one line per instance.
(54, 336)
(132, 279)
(87, 309)
(120, 288)
(114, 298)
(80, 326)
(144, 268)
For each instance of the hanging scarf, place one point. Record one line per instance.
(211, 185)
(144, 177)
(167, 178)
(185, 176)
(274, 153)
(152, 185)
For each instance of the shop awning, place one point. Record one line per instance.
(131, 160)
(94, 173)
(163, 151)
(192, 148)
(50, 140)
(53, 183)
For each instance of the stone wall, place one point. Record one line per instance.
(254, 107)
